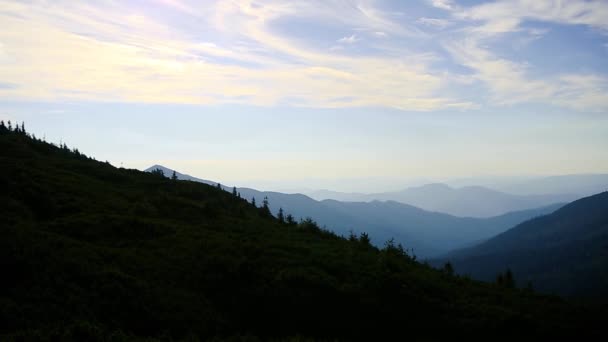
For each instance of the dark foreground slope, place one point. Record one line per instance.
(565, 252)
(91, 252)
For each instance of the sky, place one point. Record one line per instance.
(346, 95)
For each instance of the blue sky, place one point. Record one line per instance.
(280, 94)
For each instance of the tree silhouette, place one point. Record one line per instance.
(509, 281)
(174, 176)
(2, 126)
(352, 237)
(234, 193)
(364, 239)
(290, 220)
(219, 186)
(448, 269)
(500, 279)
(266, 207)
(281, 216)
(10, 126)
(253, 202)
(157, 172)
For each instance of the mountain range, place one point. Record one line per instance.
(428, 234)
(468, 201)
(565, 252)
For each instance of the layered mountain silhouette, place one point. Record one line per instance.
(565, 252)
(469, 201)
(428, 233)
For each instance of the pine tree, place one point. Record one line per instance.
(290, 220)
(174, 176)
(448, 269)
(509, 279)
(23, 128)
(234, 193)
(219, 186)
(266, 207)
(364, 239)
(2, 126)
(10, 126)
(281, 216)
(253, 202)
(157, 172)
(500, 279)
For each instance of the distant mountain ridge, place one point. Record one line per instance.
(428, 233)
(565, 252)
(469, 201)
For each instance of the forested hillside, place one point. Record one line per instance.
(565, 252)
(91, 252)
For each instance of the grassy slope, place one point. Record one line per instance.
(88, 250)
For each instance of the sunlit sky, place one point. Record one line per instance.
(349, 95)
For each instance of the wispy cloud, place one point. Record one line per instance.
(443, 4)
(435, 22)
(243, 51)
(349, 39)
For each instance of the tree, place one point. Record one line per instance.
(364, 239)
(500, 279)
(290, 220)
(448, 269)
(10, 125)
(266, 207)
(281, 216)
(234, 192)
(352, 237)
(219, 186)
(23, 127)
(2, 126)
(509, 279)
(174, 176)
(253, 202)
(157, 172)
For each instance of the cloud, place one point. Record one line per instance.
(113, 52)
(348, 39)
(506, 16)
(434, 22)
(443, 4)
(245, 52)
(510, 84)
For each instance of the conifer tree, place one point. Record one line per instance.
(234, 193)
(253, 202)
(448, 269)
(219, 186)
(2, 126)
(290, 220)
(509, 280)
(266, 207)
(364, 239)
(174, 176)
(281, 216)
(10, 126)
